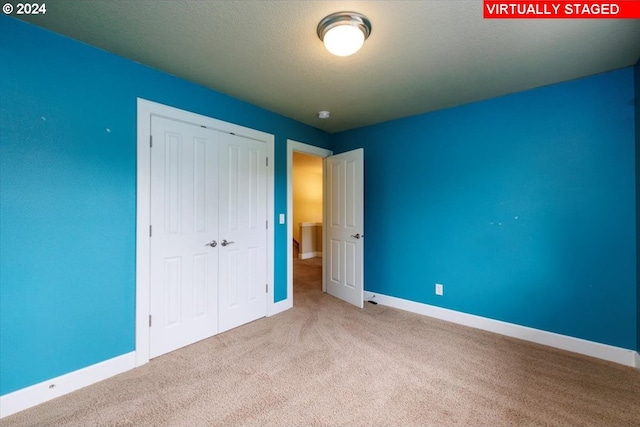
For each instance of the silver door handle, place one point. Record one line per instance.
(357, 235)
(212, 243)
(225, 243)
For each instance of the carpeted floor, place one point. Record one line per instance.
(325, 362)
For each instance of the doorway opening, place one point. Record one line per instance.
(305, 208)
(307, 181)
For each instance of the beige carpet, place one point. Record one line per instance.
(327, 363)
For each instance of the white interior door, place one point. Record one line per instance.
(344, 225)
(243, 231)
(184, 218)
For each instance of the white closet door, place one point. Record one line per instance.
(184, 219)
(243, 225)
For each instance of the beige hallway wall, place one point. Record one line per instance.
(307, 190)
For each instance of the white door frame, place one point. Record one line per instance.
(299, 147)
(146, 109)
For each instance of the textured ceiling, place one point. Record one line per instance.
(421, 55)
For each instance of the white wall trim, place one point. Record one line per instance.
(143, 218)
(637, 357)
(564, 342)
(42, 392)
(308, 255)
(147, 109)
(314, 151)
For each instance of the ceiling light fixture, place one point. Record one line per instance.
(323, 114)
(344, 33)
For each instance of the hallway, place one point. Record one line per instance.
(307, 279)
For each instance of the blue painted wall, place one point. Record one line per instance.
(523, 206)
(67, 195)
(636, 70)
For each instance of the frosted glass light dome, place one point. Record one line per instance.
(344, 40)
(344, 33)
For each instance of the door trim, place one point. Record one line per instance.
(299, 147)
(145, 110)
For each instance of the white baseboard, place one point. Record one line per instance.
(56, 387)
(564, 342)
(308, 255)
(637, 361)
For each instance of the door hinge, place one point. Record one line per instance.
(266, 288)
(149, 320)
(266, 224)
(150, 231)
(267, 161)
(150, 140)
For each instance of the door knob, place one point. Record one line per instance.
(357, 235)
(212, 243)
(225, 243)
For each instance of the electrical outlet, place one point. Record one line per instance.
(439, 289)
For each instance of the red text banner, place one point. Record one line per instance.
(625, 9)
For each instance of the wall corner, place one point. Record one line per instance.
(636, 85)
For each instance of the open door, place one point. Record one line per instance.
(344, 226)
